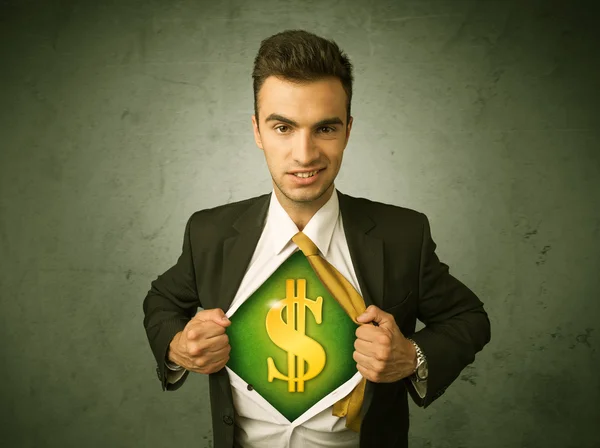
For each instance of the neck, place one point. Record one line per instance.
(302, 212)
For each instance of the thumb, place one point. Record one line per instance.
(216, 315)
(374, 314)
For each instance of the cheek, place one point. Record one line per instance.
(335, 153)
(336, 162)
(274, 159)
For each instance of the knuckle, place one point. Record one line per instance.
(199, 363)
(194, 330)
(196, 350)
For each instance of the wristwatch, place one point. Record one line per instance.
(172, 366)
(421, 372)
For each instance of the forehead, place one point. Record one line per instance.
(302, 101)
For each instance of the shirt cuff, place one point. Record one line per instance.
(174, 376)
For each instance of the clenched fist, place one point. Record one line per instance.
(202, 346)
(383, 354)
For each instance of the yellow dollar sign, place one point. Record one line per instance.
(290, 335)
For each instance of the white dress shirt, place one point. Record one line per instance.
(258, 424)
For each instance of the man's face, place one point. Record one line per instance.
(302, 130)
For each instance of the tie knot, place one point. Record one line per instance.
(305, 244)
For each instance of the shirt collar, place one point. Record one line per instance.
(280, 228)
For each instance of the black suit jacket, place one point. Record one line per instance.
(397, 269)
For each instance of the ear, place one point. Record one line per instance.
(348, 129)
(257, 138)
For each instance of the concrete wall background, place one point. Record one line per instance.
(120, 119)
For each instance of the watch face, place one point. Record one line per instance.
(422, 371)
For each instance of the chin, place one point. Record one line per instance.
(304, 195)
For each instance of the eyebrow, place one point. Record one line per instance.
(326, 121)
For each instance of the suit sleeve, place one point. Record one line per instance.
(169, 305)
(456, 325)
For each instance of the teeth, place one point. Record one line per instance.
(305, 175)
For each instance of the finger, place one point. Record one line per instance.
(368, 362)
(376, 315)
(368, 315)
(212, 363)
(205, 347)
(216, 315)
(369, 333)
(204, 330)
(202, 357)
(218, 355)
(215, 367)
(216, 343)
(366, 373)
(364, 347)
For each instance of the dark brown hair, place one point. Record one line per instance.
(300, 56)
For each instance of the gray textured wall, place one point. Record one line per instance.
(119, 119)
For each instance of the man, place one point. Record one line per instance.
(302, 123)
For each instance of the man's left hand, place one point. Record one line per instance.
(383, 354)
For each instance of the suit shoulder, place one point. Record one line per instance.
(384, 211)
(224, 214)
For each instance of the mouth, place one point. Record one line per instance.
(306, 174)
(306, 178)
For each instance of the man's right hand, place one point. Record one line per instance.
(202, 346)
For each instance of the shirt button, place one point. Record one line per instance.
(250, 387)
(227, 420)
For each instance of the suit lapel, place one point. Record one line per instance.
(239, 248)
(366, 252)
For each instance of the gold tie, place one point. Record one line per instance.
(354, 305)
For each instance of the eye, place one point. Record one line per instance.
(280, 126)
(328, 127)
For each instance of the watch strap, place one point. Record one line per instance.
(421, 359)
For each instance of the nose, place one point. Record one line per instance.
(304, 151)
